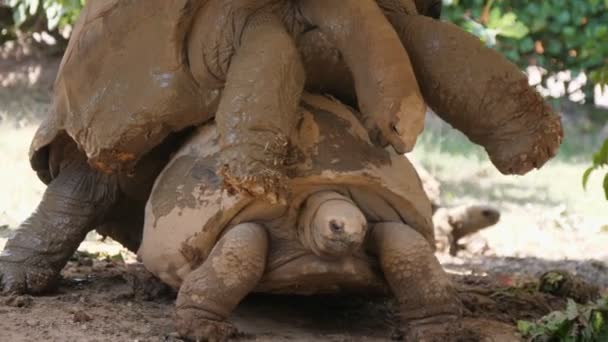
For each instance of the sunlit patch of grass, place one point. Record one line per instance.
(545, 213)
(20, 189)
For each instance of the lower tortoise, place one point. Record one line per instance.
(358, 222)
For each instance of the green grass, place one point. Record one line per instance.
(466, 172)
(545, 213)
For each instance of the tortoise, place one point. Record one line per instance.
(469, 85)
(456, 222)
(136, 71)
(80, 197)
(358, 221)
(122, 88)
(105, 89)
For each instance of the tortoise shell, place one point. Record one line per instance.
(188, 209)
(123, 85)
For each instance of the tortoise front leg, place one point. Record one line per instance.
(71, 206)
(477, 90)
(258, 108)
(427, 299)
(210, 293)
(387, 92)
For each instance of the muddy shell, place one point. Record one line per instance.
(123, 85)
(330, 151)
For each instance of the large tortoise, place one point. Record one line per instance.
(129, 89)
(358, 221)
(136, 71)
(80, 198)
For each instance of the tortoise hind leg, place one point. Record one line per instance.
(210, 293)
(72, 205)
(424, 292)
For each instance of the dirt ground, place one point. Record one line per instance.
(110, 300)
(546, 224)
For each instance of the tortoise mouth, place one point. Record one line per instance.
(331, 225)
(333, 247)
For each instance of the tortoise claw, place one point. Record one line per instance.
(193, 328)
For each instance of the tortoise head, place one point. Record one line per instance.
(331, 225)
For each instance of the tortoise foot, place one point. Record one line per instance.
(21, 278)
(438, 332)
(536, 144)
(191, 326)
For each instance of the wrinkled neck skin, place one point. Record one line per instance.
(331, 225)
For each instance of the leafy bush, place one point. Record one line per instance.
(36, 15)
(600, 160)
(578, 323)
(556, 35)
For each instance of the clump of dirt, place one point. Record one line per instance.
(564, 284)
(19, 301)
(144, 285)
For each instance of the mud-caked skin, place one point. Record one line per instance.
(358, 221)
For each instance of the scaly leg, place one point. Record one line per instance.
(427, 299)
(477, 90)
(210, 293)
(258, 108)
(72, 205)
(388, 94)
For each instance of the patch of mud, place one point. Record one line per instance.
(108, 300)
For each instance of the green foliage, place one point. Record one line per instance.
(29, 14)
(557, 35)
(600, 160)
(578, 323)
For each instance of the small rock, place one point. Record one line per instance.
(81, 316)
(19, 301)
(88, 262)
